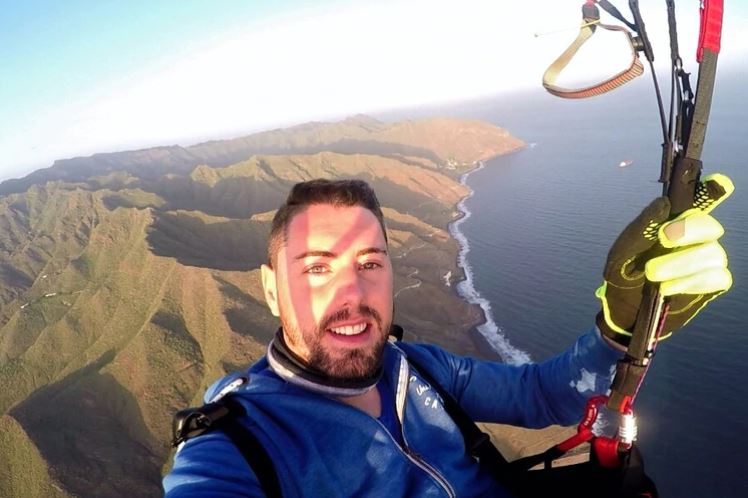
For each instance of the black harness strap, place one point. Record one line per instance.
(613, 11)
(251, 449)
(477, 443)
(224, 415)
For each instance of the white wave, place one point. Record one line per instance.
(493, 334)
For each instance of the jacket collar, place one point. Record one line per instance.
(293, 370)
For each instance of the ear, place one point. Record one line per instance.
(270, 289)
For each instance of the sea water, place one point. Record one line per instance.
(537, 229)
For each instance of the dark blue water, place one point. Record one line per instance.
(541, 223)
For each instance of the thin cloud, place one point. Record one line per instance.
(321, 64)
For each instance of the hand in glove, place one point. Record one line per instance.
(688, 263)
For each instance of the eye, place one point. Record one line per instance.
(316, 269)
(370, 265)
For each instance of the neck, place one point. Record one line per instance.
(369, 402)
(295, 371)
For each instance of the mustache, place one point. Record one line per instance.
(345, 314)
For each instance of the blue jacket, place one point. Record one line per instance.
(324, 448)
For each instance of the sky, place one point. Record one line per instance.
(85, 76)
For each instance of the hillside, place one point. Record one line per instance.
(129, 282)
(437, 141)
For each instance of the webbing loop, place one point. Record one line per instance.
(585, 33)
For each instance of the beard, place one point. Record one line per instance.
(347, 364)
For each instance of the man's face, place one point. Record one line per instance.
(332, 288)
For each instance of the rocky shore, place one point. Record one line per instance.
(512, 442)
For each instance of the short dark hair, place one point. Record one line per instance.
(321, 191)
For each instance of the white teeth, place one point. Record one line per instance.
(349, 329)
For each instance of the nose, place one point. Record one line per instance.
(349, 288)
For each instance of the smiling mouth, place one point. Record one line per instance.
(349, 330)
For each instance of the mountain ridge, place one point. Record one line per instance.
(125, 292)
(357, 133)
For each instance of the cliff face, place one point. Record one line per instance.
(130, 281)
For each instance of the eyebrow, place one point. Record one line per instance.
(329, 254)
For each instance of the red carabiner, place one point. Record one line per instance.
(607, 449)
(584, 429)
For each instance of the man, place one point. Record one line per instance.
(340, 411)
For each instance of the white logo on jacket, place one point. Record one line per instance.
(421, 389)
(586, 383)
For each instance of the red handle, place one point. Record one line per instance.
(710, 32)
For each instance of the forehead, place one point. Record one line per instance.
(334, 228)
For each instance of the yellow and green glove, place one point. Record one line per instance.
(689, 263)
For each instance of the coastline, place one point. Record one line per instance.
(513, 442)
(489, 333)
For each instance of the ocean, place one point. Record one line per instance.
(536, 233)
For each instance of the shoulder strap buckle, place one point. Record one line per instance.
(191, 422)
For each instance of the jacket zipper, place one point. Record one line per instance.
(416, 458)
(400, 398)
(420, 462)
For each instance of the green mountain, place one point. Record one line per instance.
(130, 281)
